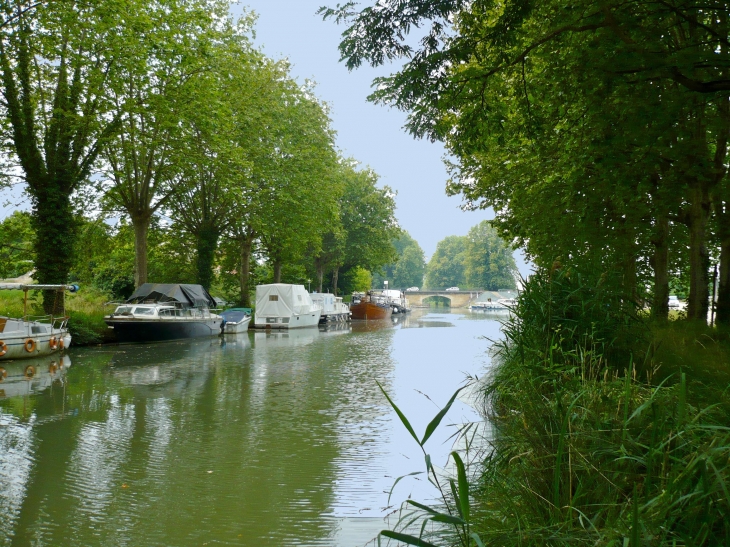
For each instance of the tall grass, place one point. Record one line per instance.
(605, 429)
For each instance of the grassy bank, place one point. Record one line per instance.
(86, 311)
(608, 430)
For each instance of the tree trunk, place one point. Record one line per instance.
(699, 259)
(207, 242)
(141, 225)
(277, 271)
(55, 232)
(244, 274)
(723, 290)
(320, 276)
(660, 265)
(335, 276)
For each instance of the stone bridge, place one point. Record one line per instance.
(453, 299)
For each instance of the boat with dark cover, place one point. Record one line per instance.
(164, 311)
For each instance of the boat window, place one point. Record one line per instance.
(273, 297)
(144, 311)
(124, 309)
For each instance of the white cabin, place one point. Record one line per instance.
(284, 306)
(334, 310)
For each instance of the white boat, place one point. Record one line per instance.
(22, 338)
(235, 320)
(334, 310)
(396, 299)
(503, 304)
(284, 306)
(159, 311)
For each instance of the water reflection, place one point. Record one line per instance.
(263, 438)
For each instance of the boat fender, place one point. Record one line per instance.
(3, 348)
(3, 374)
(53, 342)
(60, 343)
(29, 371)
(30, 345)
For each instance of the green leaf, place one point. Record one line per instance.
(463, 486)
(477, 539)
(457, 501)
(437, 516)
(399, 479)
(400, 414)
(437, 419)
(405, 538)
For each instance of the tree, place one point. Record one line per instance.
(149, 99)
(447, 265)
(410, 268)
(57, 60)
(16, 251)
(368, 219)
(488, 261)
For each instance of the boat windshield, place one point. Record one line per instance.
(144, 311)
(123, 309)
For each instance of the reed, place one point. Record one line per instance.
(605, 429)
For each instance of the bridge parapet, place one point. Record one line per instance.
(457, 299)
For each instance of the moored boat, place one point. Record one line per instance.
(284, 306)
(160, 311)
(22, 338)
(236, 320)
(370, 307)
(334, 310)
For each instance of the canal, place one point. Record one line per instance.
(260, 439)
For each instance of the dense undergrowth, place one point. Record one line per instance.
(605, 429)
(608, 430)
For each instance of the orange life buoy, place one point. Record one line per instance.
(30, 345)
(3, 374)
(3, 348)
(53, 342)
(60, 343)
(29, 371)
(52, 368)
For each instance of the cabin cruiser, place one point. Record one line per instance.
(284, 306)
(334, 310)
(21, 338)
(162, 311)
(397, 300)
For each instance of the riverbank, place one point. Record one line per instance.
(607, 429)
(86, 310)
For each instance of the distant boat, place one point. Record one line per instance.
(236, 320)
(22, 338)
(397, 300)
(334, 310)
(503, 304)
(284, 306)
(163, 311)
(370, 307)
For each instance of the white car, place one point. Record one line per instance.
(453, 289)
(412, 289)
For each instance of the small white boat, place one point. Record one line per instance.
(334, 310)
(22, 338)
(235, 320)
(503, 304)
(284, 306)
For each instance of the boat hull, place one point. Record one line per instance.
(16, 344)
(370, 311)
(235, 328)
(159, 330)
(294, 321)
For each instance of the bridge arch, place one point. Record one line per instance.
(437, 301)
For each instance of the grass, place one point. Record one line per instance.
(606, 429)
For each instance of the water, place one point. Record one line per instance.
(260, 439)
